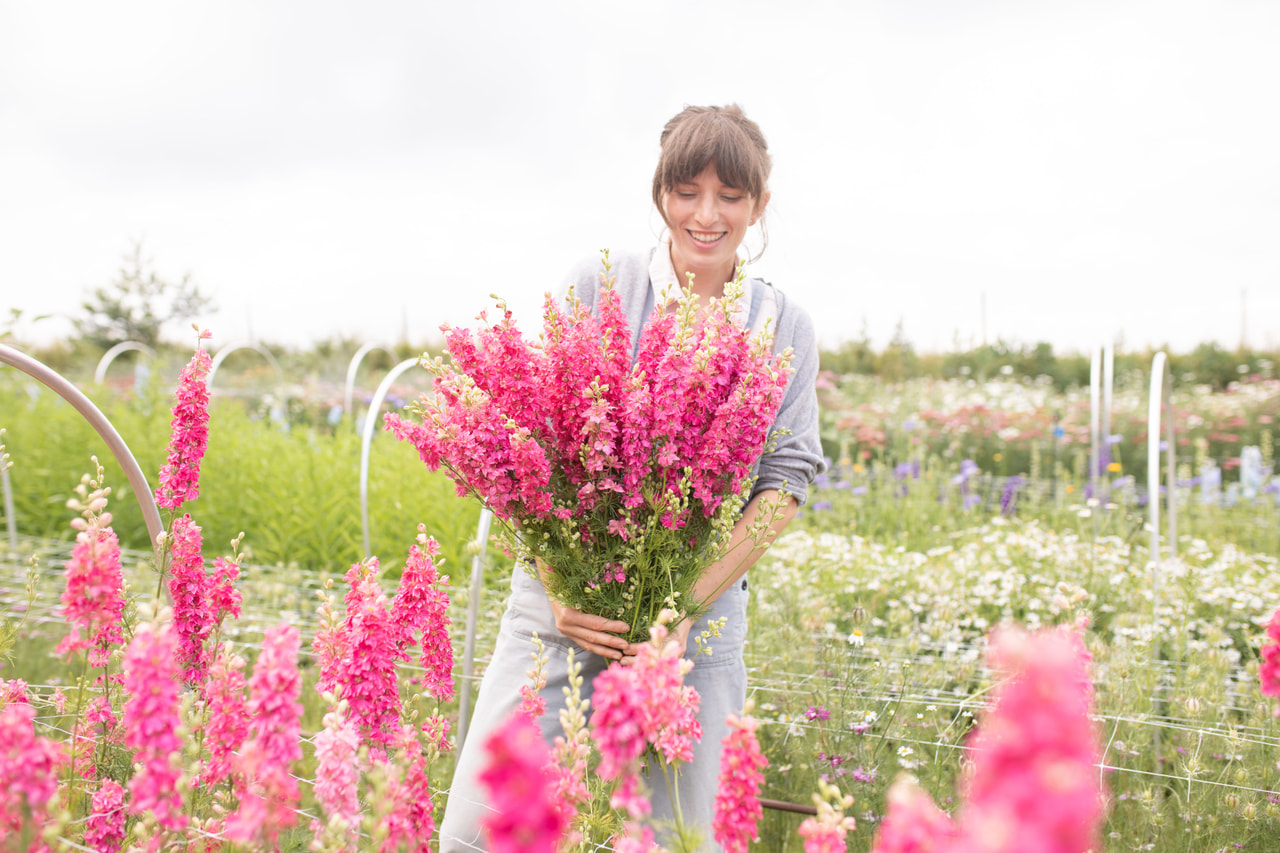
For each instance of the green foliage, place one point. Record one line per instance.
(1208, 364)
(295, 493)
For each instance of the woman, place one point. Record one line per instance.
(711, 186)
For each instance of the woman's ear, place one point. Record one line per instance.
(760, 206)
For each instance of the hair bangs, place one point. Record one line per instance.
(722, 136)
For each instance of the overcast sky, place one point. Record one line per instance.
(1082, 169)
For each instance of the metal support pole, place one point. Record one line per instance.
(352, 369)
(473, 614)
(235, 346)
(1159, 400)
(370, 419)
(100, 373)
(1108, 387)
(9, 520)
(137, 480)
(1095, 425)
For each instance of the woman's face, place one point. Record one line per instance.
(708, 220)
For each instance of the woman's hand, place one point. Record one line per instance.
(596, 634)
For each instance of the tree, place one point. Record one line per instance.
(899, 360)
(138, 304)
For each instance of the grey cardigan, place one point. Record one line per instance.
(797, 458)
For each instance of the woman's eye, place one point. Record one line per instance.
(686, 195)
(731, 198)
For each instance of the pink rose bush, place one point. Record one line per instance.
(623, 477)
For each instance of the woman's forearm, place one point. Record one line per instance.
(768, 519)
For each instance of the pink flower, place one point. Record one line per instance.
(524, 817)
(104, 828)
(825, 835)
(14, 691)
(270, 794)
(151, 721)
(337, 772)
(532, 705)
(422, 607)
(435, 732)
(358, 657)
(228, 716)
(409, 822)
(1033, 783)
(93, 601)
(189, 434)
(635, 838)
(223, 594)
(912, 823)
(741, 776)
(568, 771)
(1269, 668)
(28, 769)
(641, 704)
(571, 429)
(194, 613)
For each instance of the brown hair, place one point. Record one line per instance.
(698, 136)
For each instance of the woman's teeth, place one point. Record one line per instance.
(701, 237)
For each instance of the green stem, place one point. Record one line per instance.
(893, 715)
(75, 729)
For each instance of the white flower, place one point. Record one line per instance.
(855, 638)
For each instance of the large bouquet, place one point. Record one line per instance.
(622, 479)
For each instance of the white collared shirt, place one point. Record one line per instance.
(662, 277)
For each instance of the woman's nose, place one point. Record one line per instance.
(707, 208)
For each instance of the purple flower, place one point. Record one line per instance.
(819, 506)
(858, 490)
(818, 712)
(1009, 497)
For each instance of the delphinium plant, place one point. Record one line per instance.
(169, 741)
(622, 480)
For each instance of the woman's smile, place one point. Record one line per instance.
(708, 220)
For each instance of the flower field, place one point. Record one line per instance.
(870, 618)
